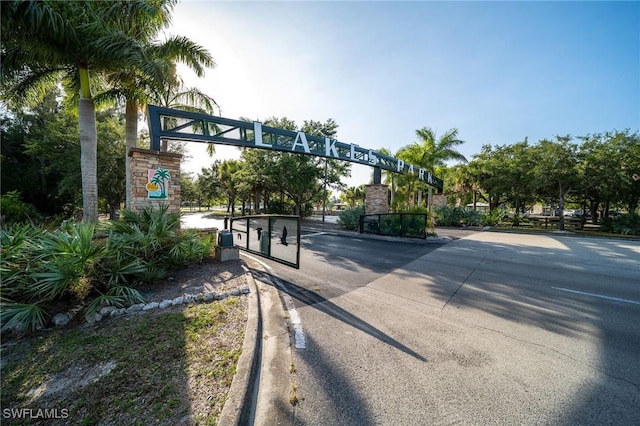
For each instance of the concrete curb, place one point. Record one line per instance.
(239, 406)
(365, 236)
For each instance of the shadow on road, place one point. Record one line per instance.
(325, 306)
(497, 280)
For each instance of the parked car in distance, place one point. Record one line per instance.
(579, 213)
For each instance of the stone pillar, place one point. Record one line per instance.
(142, 194)
(438, 200)
(376, 199)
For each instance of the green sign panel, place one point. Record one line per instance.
(173, 124)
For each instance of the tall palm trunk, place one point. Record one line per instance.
(88, 150)
(131, 135)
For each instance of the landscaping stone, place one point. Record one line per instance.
(61, 319)
(118, 312)
(150, 306)
(135, 308)
(106, 310)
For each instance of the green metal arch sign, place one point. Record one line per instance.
(174, 124)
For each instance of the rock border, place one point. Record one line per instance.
(205, 297)
(63, 318)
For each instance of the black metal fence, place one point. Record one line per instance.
(411, 225)
(275, 237)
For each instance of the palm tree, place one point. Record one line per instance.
(171, 93)
(389, 176)
(43, 41)
(227, 171)
(353, 194)
(155, 80)
(431, 153)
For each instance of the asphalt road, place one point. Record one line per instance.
(489, 329)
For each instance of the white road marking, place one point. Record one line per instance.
(299, 339)
(617, 299)
(312, 235)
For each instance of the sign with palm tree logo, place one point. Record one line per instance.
(158, 183)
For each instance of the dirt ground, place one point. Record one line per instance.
(203, 278)
(210, 276)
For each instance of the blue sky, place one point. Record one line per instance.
(496, 71)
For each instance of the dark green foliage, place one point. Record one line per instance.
(281, 207)
(493, 217)
(626, 224)
(405, 225)
(44, 271)
(457, 216)
(448, 216)
(350, 219)
(13, 210)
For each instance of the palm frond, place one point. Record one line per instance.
(188, 52)
(21, 316)
(119, 296)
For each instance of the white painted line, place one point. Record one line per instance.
(601, 296)
(312, 235)
(299, 339)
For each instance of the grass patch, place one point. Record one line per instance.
(293, 395)
(155, 368)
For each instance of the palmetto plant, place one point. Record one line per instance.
(57, 265)
(44, 270)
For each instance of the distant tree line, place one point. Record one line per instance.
(595, 173)
(265, 181)
(40, 165)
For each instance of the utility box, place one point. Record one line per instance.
(225, 239)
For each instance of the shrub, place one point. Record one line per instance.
(14, 210)
(350, 218)
(280, 207)
(77, 264)
(626, 224)
(492, 217)
(448, 216)
(471, 217)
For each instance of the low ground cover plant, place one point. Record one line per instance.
(84, 267)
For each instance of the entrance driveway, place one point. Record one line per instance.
(492, 328)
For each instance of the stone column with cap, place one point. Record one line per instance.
(143, 160)
(376, 199)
